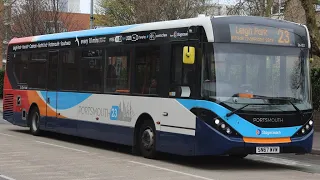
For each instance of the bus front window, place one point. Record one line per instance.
(260, 71)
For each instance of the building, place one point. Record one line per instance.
(220, 10)
(48, 24)
(66, 22)
(70, 6)
(277, 11)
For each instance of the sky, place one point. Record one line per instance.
(85, 4)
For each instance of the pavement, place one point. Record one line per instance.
(316, 137)
(60, 157)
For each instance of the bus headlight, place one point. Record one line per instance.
(223, 126)
(307, 126)
(228, 131)
(216, 122)
(305, 129)
(220, 125)
(311, 122)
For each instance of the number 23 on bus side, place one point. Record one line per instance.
(114, 113)
(284, 36)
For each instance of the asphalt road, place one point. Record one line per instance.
(55, 156)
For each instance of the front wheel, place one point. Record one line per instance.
(147, 140)
(35, 122)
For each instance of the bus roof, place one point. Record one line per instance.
(198, 21)
(204, 21)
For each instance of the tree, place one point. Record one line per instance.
(4, 16)
(35, 17)
(311, 22)
(124, 12)
(303, 11)
(253, 7)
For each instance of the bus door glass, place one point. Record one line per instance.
(183, 76)
(52, 82)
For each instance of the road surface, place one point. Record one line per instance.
(54, 156)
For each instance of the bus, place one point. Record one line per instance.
(225, 86)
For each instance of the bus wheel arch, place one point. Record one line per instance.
(34, 119)
(145, 126)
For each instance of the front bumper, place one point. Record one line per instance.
(211, 142)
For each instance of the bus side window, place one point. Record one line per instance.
(147, 65)
(69, 70)
(37, 65)
(91, 69)
(117, 71)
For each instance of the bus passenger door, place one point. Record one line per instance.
(51, 95)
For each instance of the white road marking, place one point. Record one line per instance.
(6, 177)
(283, 161)
(170, 170)
(64, 147)
(13, 152)
(7, 135)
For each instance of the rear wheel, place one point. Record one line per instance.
(34, 121)
(147, 140)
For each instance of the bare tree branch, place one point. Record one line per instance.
(123, 12)
(36, 17)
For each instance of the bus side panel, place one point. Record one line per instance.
(106, 132)
(113, 118)
(177, 133)
(90, 116)
(36, 98)
(176, 143)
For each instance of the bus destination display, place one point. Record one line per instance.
(261, 35)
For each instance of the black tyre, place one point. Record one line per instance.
(147, 140)
(34, 119)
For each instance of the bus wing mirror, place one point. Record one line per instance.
(188, 55)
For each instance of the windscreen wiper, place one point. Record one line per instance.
(268, 98)
(232, 112)
(236, 110)
(284, 99)
(288, 100)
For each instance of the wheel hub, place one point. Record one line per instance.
(35, 121)
(147, 138)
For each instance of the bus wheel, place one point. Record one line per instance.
(34, 121)
(147, 140)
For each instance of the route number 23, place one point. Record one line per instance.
(114, 113)
(284, 36)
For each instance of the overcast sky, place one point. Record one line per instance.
(85, 6)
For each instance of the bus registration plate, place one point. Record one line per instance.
(270, 150)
